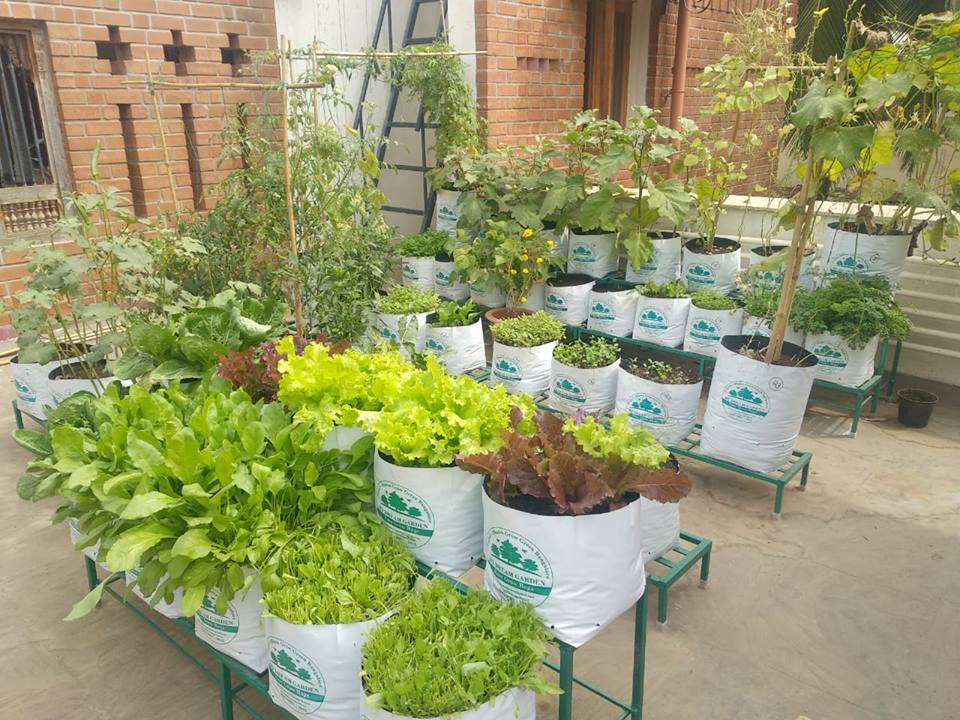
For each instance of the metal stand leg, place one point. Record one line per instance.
(893, 369)
(778, 501)
(566, 681)
(857, 411)
(705, 567)
(226, 693)
(803, 477)
(875, 400)
(17, 415)
(639, 657)
(91, 567)
(662, 605)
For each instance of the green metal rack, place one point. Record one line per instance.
(678, 561)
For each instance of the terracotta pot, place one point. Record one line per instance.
(497, 314)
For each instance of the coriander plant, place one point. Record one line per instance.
(593, 353)
(528, 330)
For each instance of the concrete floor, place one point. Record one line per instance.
(846, 609)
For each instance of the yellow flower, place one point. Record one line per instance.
(512, 271)
(527, 233)
(524, 257)
(525, 271)
(523, 298)
(539, 260)
(549, 243)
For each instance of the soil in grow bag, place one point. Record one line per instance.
(80, 371)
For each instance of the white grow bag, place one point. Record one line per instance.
(659, 527)
(343, 437)
(849, 252)
(448, 211)
(403, 329)
(535, 299)
(838, 362)
(172, 610)
(60, 389)
(761, 327)
(435, 512)
(91, 551)
(714, 272)
(579, 572)
(613, 312)
(445, 285)
(593, 255)
(315, 669)
(514, 704)
(663, 266)
(772, 277)
(32, 386)
(522, 369)
(561, 241)
(492, 297)
(418, 272)
(459, 349)
(592, 390)
(705, 328)
(669, 412)
(661, 320)
(755, 410)
(570, 304)
(238, 632)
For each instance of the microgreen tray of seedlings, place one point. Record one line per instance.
(593, 353)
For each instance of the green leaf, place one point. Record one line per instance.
(877, 92)
(32, 441)
(153, 340)
(193, 544)
(598, 210)
(175, 370)
(127, 549)
(145, 456)
(671, 200)
(919, 142)
(131, 365)
(820, 102)
(88, 603)
(192, 597)
(840, 144)
(146, 504)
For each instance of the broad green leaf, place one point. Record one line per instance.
(598, 210)
(192, 597)
(820, 102)
(68, 445)
(127, 549)
(118, 482)
(881, 151)
(32, 441)
(840, 144)
(145, 456)
(82, 477)
(152, 340)
(175, 370)
(132, 365)
(877, 92)
(147, 504)
(193, 544)
(671, 200)
(919, 142)
(88, 603)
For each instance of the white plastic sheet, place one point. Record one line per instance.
(761, 327)
(514, 704)
(435, 512)
(90, 551)
(561, 241)
(448, 211)
(445, 284)
(705, 328)
(714, 272)
(315, 669)
(238, 632)
(593, 254)
(522, 369)
(579, 572)
(60, 389)
(863, 254)
(403, 329)
(490, 297)
(772, 277)
(755, 410)
(840, 363)
(459, 349)
(659, 527)
(343, 437)
(592, 390)
(534, 299)
(31, 385)
(418, 272)
(661, 320)
(613, 312)
(570, 304)
(172, 610)
(667, 411)
(663, 266)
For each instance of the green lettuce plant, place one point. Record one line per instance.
(672, 289)
(339, 576)
(401, 300)
(532, 330)
(444, 653)
(426, 244)
(707, 299)
(593, 353)
(434, 417)
(453, 314)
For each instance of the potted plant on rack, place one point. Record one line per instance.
(417, 256)
(420, 495)
(476, 264)
(447, 280)
(711, 317)
(584, 375)
(767, 263)
(567, 297)
(663, 397)
(613, 308)
(662, 311)
(402, 315)
(455, 335)
(523, 351)
(442, 656)
(336, 586)
(759, 307)
(844, 323)
(551, 499)
(525, 261)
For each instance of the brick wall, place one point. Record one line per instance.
(532, 74)
(91, 98)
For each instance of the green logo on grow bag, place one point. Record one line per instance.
(442, 278)
(583, 253)
(647, 410)
(746, 402)
(388, 334)
(218, 629)
(652, 319)
(407, 514)
(830, 356)
(555, 302)
(602, 311)
(297, 676)
(447, 213)
(768, 278)
(435, 346)
(564, 387)
(506, 369)
(847, 264)
(703, 329)
(700, 275)
(410, 272)
(520, 570)
(24, 391)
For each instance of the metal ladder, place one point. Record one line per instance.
(389, 123)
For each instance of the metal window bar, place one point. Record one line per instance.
(24, 158)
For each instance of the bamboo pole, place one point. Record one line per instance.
(163, 135)
(288, 189)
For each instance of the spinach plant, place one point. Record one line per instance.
(453, 314)
(532, 330)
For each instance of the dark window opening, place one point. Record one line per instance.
(114, 50)
(130, 149)
(233, 54)
(178, 53)
(24, 156)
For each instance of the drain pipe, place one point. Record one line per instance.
(681, 45)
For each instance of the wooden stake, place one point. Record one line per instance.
(288, 185)
(163, 135)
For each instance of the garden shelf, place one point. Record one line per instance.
(689, 550)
